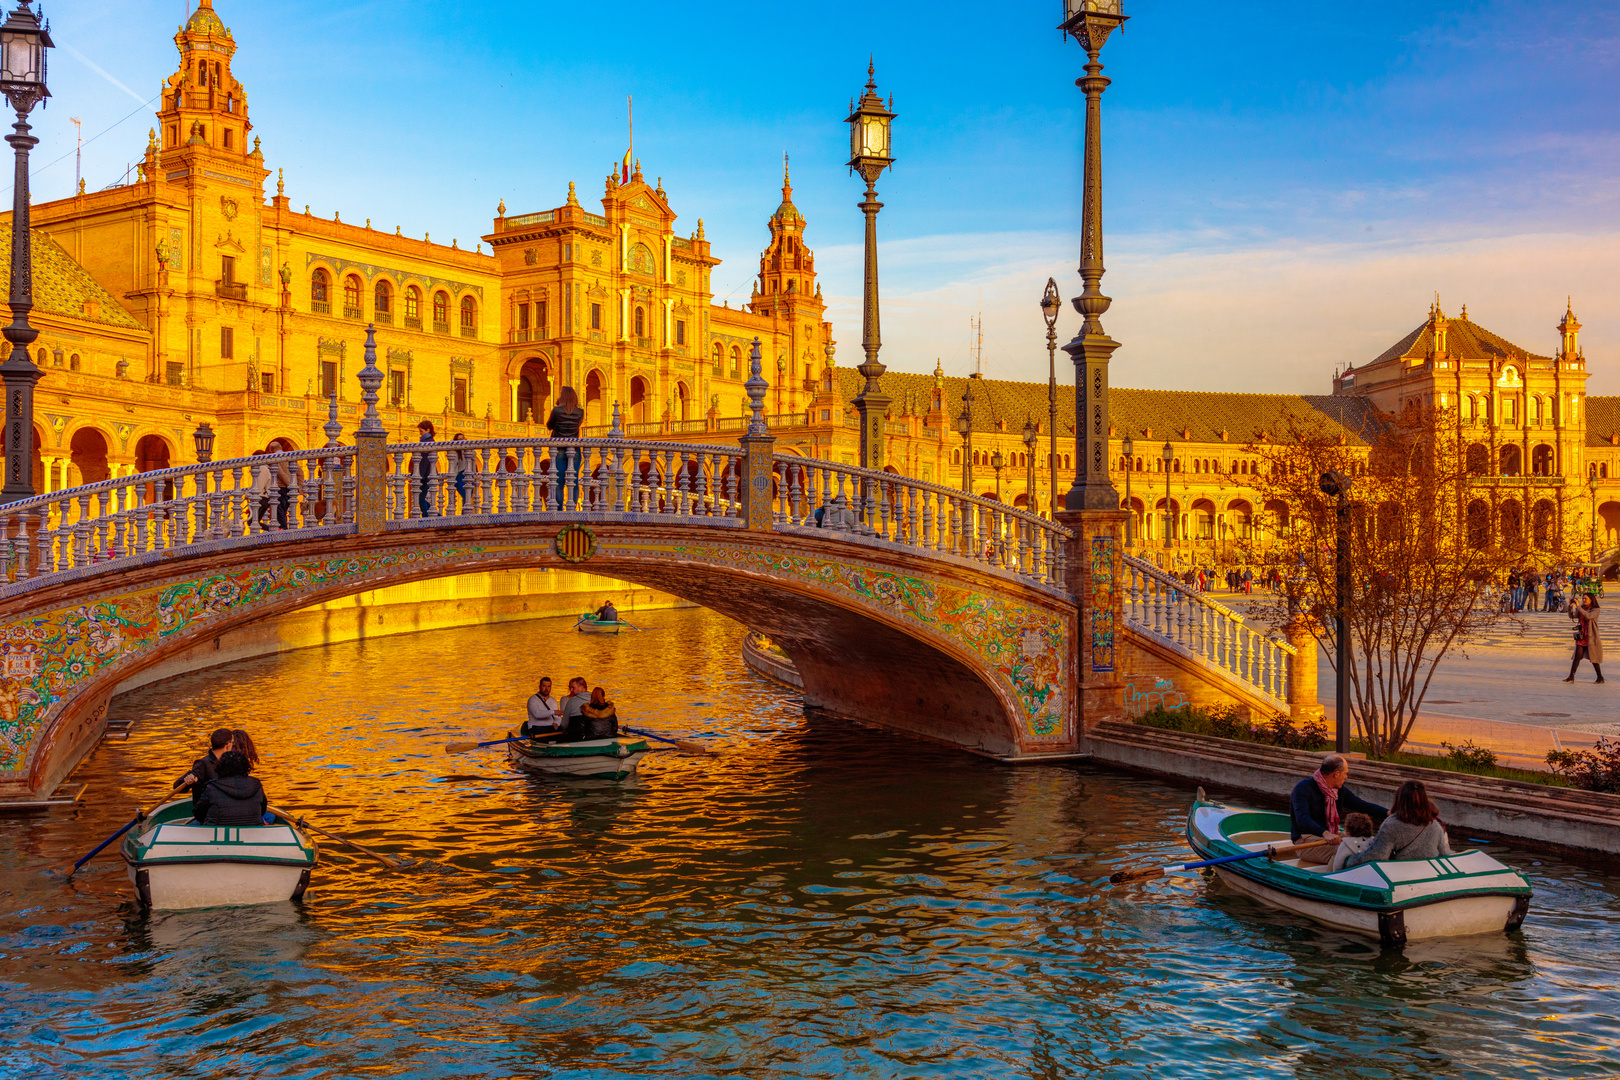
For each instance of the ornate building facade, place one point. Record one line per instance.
(194, 295)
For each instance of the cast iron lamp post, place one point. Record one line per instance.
(1051, 304)
(869, 155)
(964, 428)
(1090, 22)
(1128, 448)
(23, 42)
(1031, 438)
(203, 438)
(1168, 454)
(1592, 485)
(997, 462)
(1337, 485)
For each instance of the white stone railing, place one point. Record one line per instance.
(1157, 604)
(496, 481)
(896, 509)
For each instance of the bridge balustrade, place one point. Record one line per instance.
(299, 492)
(1158, 604)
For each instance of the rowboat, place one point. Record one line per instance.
(174, 864)
(608, 759)
(1394, 901)
(590, 624)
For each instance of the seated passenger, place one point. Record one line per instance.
(607, 612)
(202, 770)
(601, 719)
(578, 697)
(545, 715)
(1316, 804)
(1413, 829)
(240, 740)
(233, 797)
(1358, 837)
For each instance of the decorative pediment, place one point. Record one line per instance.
(1509, 378)
(331, 346)
(399, 356)
(229, 241)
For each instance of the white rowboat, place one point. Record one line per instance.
(174, 864)
(609, 759)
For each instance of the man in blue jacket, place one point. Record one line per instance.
(1320, 802)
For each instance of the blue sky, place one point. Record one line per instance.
(1287, 184)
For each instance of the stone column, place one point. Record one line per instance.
(759, 447)
(371, 457)
(1096, 580)
(1302, 700)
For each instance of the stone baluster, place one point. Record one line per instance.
(913, 517)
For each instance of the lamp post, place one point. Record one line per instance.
(869, 155)
(964, 428)
(203, 438)
(997, 462)
(1168, 454)
(1592, 485)
(1031, 437)
(1128, 448)
(1090, 22)
(1051, 304)
(1337, 485)
(23, 42)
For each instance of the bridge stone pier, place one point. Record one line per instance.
(903, 604)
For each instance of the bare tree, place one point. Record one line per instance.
(1424, 556)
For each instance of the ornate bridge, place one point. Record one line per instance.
(901, 603)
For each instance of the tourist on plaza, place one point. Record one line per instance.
(232, 797)
(578, 697)
(1515, 601)
(1316, 804)
(203, 769)
(1248, 581)
(1532, 586)
(422, 465)
(1588, 640)
(600, 720)
(607, 612)
(545, 714)
(465, 464)
(1413, 829)
(564, 423)
(1358, 837)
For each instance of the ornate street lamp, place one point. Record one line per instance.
(1051, 304)
(203, 437)
(997, 462)
(23, 42)
(964, 428)
(1168, 454)
(1031, 437)
(1128, 448)
(1336, 485)
(1592, 485)
(869, 155)
(1090, 22)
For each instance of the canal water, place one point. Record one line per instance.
(816, 901)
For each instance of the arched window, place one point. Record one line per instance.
(736, 361)
(320, 292)
(383, 303)
(413, 307)
(641, 323)
(469, 317)
(719, 358)
(73, 362)
(351, 297)
(441, 312)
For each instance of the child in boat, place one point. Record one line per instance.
(1358, 837)
(601, 720)
(232, 797)
(203, 769)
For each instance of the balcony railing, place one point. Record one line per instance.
(413, 323)
(351, 312)
(230, 290)
(469, 331)
(441, 328)
(320, 307)
(386, 318)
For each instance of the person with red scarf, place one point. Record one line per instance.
(1320, 802)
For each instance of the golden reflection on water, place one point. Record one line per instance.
(818, 900)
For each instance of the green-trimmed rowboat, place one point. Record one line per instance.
(174, 864)
(1395, 901)
(590, 624)
(605, 759)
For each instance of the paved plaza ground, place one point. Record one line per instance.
(1506, 691)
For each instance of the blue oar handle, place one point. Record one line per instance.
(132, 823)
(1227, 858)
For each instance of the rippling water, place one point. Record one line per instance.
(818, 901)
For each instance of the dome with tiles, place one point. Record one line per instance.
(204, 21)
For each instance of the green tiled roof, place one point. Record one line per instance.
(1602, 420)
(1166, 413)
(1464, 340)
(61, 285)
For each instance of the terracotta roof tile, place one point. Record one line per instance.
(1602, 420)
(1465, 340)
(61, 285)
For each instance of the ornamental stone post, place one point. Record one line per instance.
(759, 448)
(1302, 700)
(1096, 580)
(371, 457)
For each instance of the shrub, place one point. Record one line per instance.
(1469, 757)
(1597, 769)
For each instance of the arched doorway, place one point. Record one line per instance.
(683, 402)
(1478, 524)
(595, 400)
(152, 454)
(640, 407)
(89, 449)
(534, 391)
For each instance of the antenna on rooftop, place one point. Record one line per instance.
(977, 323)
(78, 154)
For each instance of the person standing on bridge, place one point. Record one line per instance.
(565, 422)
(422, 463)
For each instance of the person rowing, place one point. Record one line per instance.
(607, 613)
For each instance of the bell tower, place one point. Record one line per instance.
(204, 112)
(1569, 333)
(787, 268)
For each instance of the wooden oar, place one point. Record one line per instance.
(387, 860)
(685, 744)
(463, 747)
(1123, 876)
(140, 816)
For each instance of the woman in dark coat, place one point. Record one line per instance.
(564, 423)
(232, 797)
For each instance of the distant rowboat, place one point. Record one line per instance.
(174, 864)
(590, 624)
(607, 759)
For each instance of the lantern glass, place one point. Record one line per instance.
(1127, 446)
(876, 136)
(19, 54)
(963, 423)
(997, 461)
(1168, 453)
(1073, 9)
